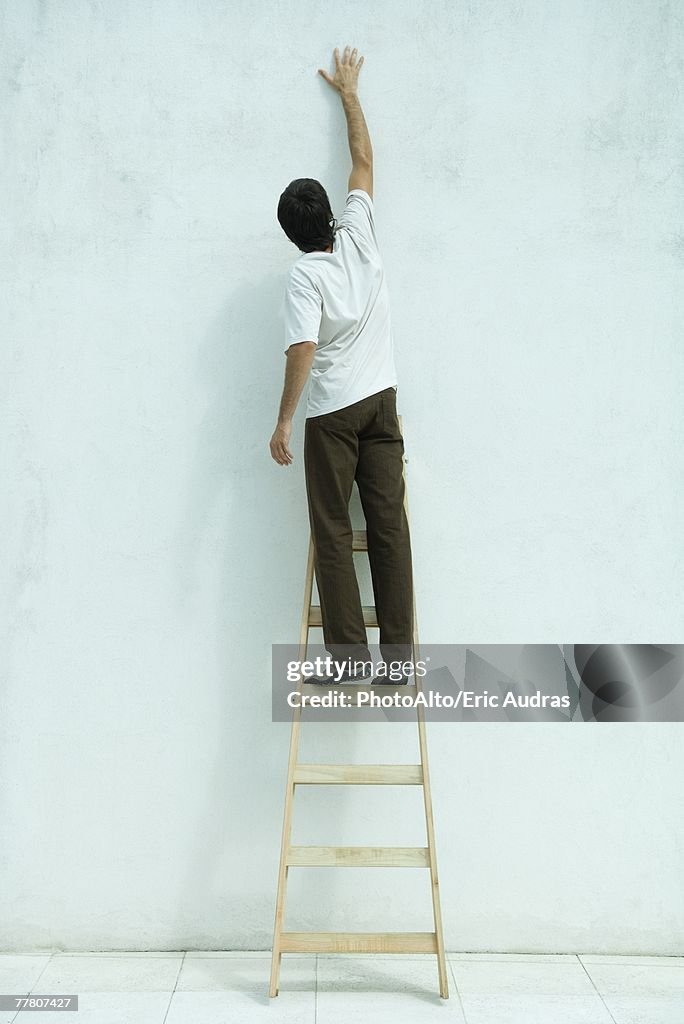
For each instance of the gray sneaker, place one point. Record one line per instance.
(362, 674)
(386, 681)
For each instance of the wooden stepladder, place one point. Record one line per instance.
(301, 774)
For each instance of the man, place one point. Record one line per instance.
(337, 323)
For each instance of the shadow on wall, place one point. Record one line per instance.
(252, 515)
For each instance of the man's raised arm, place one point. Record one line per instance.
(346, 83)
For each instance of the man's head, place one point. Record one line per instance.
(305, 215)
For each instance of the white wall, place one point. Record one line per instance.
(527, 187)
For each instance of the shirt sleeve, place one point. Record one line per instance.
(359, 215)
(302, 310)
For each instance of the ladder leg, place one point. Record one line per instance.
(290, 789)
(282, 870)
(427, 800)
(430, 830)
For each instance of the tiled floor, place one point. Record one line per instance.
(232, 988)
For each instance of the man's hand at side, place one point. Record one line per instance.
(280, 442)
(299, 360)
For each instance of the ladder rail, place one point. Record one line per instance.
(432, 855)
(290, 785)
(427, 803)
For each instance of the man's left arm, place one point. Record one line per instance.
(299, 360)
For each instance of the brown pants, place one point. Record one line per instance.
(361, 442)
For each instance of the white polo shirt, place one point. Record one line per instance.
(340, 301)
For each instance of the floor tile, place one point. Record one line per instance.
(247, 975)
(357, 990)
(641, 994)
(18, 972)
(528, 992)
(106, 1008)
(243, 1007)
(83, 973)
(646, 1010)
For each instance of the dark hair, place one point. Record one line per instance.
(305, 215)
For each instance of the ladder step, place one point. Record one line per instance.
(359, 856)
(358, 942)
(370, 616)
(359, 774)
(360, 542)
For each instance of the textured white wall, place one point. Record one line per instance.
(528, 176)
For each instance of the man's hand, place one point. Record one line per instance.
(346, 71)
(280, 443)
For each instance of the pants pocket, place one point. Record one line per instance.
(390, 421)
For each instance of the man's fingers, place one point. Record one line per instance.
(347, 58)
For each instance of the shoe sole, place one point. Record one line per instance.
(338, 682)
